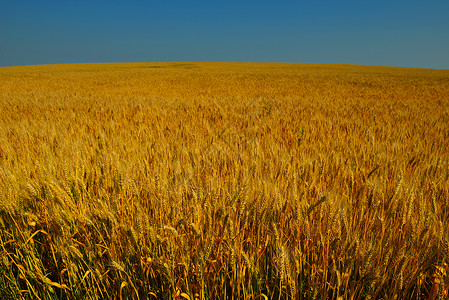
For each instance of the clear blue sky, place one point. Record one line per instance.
(393, 33)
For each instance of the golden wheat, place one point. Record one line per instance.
(223, 180)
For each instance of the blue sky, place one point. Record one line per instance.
(393, 33)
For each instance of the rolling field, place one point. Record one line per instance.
(223, 181)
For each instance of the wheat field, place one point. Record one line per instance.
(223, 181)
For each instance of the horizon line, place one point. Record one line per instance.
(224, 62)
